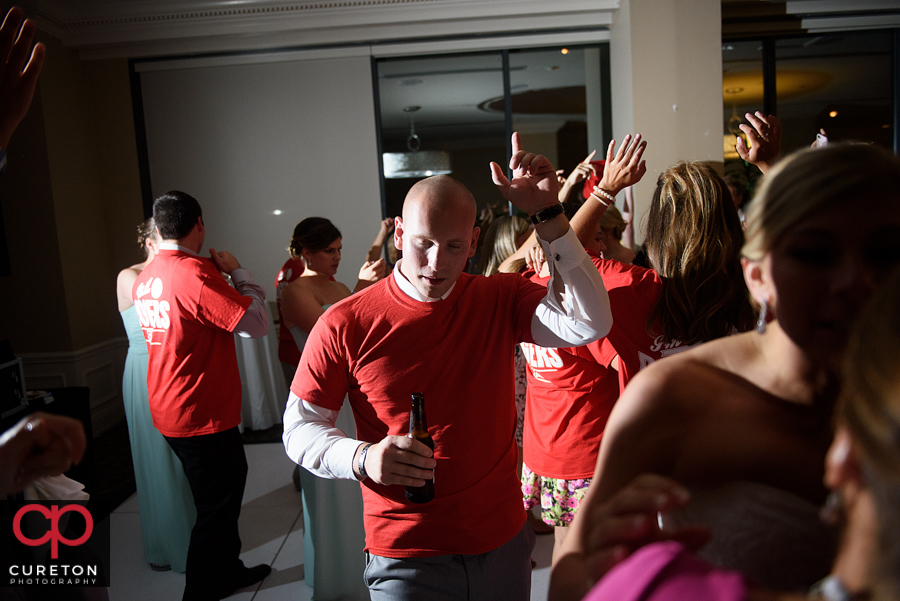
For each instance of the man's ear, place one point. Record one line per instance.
(474, 246)
(398, 233)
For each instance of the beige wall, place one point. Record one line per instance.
(71, 200)
(77, 190)
(32, 298)
(666, 71)
(91, 152)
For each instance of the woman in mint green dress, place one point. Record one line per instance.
(164, 497)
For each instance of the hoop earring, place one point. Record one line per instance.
(761, 322)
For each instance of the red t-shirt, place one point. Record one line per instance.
(287, 348)
(571, 392)
(378, 347)
(633, 292)
(187, 312)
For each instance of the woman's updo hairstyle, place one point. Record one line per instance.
(314, 234)
(811, 178)
(146, 231)
(612, 220)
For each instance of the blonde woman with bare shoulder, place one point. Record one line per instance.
(167, 509)
(744, 422)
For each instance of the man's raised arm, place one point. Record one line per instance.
(576, 308)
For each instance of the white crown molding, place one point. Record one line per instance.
(141, 28)
(810, 7)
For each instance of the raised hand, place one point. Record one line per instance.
(224, 260)
(625, 167)
(581, 172)
(21, 65)
(764, 135)
(534, 186)
(821, 139)
(372, 271)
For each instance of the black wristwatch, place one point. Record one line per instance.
(547, 214)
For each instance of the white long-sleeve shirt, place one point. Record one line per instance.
(574, 312)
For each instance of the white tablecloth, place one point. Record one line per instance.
(263, 390)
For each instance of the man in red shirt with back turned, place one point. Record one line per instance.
(189, 314)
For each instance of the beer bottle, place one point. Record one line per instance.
(418, 429)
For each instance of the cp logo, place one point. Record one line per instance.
(53, 535)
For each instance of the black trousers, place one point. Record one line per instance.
(216, 469)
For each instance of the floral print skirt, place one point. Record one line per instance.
(559, 499)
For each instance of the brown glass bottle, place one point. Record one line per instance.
(418, 429)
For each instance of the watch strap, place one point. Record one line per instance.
(547, 214)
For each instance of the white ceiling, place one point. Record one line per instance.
(448, 89)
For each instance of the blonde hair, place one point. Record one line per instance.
(612, 220)
(870, 409)
(694, 238)
(146, 231)
(811, 178)
(500, 242)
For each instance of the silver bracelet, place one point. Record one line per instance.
(601, 193)
(362, 462)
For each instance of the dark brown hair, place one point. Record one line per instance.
(313, 234)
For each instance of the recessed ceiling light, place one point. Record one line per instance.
(832, 114)
(276, 212)
(565, 51)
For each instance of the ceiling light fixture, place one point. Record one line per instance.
(416, 162)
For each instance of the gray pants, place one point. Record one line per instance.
(504, 573)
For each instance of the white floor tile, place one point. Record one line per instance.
(131, 578)
(540, 575)
(286, 580)
(270, 471)
(271, 527)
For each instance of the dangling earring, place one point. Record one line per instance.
(834, 511)
(761, 322)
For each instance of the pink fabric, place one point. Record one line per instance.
(667, 571)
